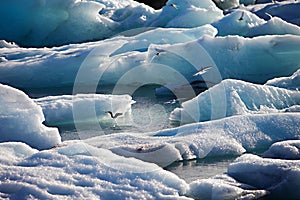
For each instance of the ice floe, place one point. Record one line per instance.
(85, 108)
(290, 82)
(21, 120)
(273, 175)
(235, 97)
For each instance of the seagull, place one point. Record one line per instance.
(203, 70)
(113, 116)
(173, 5)
(242, 17)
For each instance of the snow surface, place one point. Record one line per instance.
(235, 97)
(80, 171)
(21, 120)
(84, 108)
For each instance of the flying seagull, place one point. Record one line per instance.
(203, 70)
(173, 5)
(113, 116)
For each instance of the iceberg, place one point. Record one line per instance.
(230, 136)
(21, 120)
(254, 177)
(223, 187)
(84, 108)
(289, 150)
(192, 13)
(89, 63)
(273, 175)
(256, 60)
(290, 82)
(68, 22)
(234, 97)
(286, 10)
(244, 23)
(80, 171)
(119, 62)
(82, 21)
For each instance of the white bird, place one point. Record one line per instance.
(203, 70)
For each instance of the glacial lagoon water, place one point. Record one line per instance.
(150, 113)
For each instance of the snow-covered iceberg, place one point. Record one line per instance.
(244, 23)
(273, 175)
(226, 137)
(53, 23)
(290, 82)
(192, 13)
(80, 171)
(21, 120)
(256, 60)
(289, 149)
(85, 108)
(223, 187)
(286, 10)
(89, 63)
(235, 97)
(253, 177)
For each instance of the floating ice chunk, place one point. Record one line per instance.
(81, 171)
(234, 97)
(291, 82)
(141, 42)
(289, 149)
(255, 60)
(252, 132)
(222, 187)
(92, 63)
(59, 110)
(245, 23)
(69, 22)
(274, 26)
(5, 44)
(168, 149)
(55, 67)
(21, 120)
(192, 13)
(273, 175)
(286, 10)
(13, 152)
(237, 23)
(229, 136)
